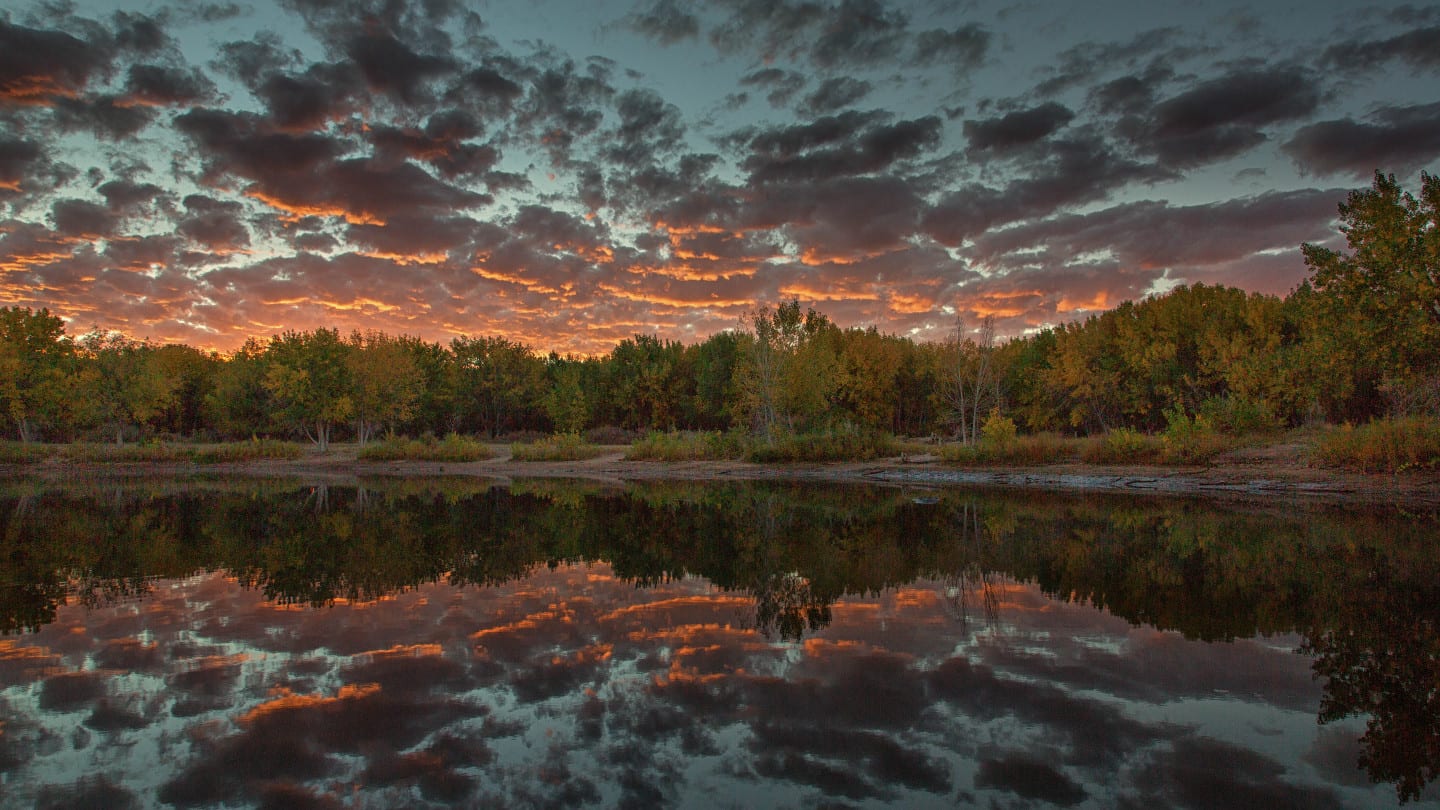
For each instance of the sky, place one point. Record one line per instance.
(568, 174)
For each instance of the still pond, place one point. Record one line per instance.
(562, 644)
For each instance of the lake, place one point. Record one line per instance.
(562, 644)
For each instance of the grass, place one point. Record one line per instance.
(835, 446)
(123, 453)
(22, 453)
(559, 447)
(1385, 445)
(1041, 448)
(453, 448)
(253, 450)
(689, 446)
(1123, 446)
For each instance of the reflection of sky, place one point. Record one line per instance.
(571, 686)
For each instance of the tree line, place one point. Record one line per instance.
(1355, 341)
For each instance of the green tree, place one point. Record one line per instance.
(310, 378)
(128, 385)
(1380, 304)
(35, 361)
(385, 382)
(643, 386)
(565, 400)
(499, 382)
(239, 403)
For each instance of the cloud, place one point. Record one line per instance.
(834, 94)
(783, 84)
(1086, 62)
(41, 66)
(850, 143)
(1029, 778)
(1418, 48)
(964, 47)
(667, 22)
(1016, 129)
(156, 85)
(393, 68)
(1223, 117)
(78, 219)
(213, 224)
(1393, 139)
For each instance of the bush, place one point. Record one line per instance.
(689, 446)
(610, 434)
(837, 445)
(1237, 416)
(1190, 439)
(22, 453)
(253, 450)
(1042, 448)
(123, 453)
(998, 433)
(454, 448)
(1385, 445)
(1122, 446)
(559, 447)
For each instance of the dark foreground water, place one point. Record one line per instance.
(717, 645)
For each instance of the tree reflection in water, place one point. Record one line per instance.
(1360, 585)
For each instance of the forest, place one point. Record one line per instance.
(1355, 342)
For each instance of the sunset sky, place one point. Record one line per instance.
(571, 173)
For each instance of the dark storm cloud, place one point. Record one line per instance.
(37, 66)
(1420, 49)
(1220, 118)
(165, 86)
(781, 84)
(1077, 170)
(665, 21)
(834, 94)
(214, 224)
(850, 143)
(82, 219)
(1393, 139)
(1017, 129)
(964, 47)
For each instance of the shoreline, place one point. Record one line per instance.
(1236, 476)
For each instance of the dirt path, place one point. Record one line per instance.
(1278, 471)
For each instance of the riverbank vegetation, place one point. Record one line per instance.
(1176, 378)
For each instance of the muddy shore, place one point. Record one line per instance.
(1256, 474)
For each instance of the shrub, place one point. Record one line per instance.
(253, 450)
(998, 433)
(1190, 439)
(1122, 446)
(1385, 445)
(688, 446)
(1042, 448)
(22, 453)
(453, 448)
(1238, 416)
(610, 434)
(836, 445)
(559, 447)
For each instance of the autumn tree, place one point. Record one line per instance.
(239, 402)
(1381, 302)
(566, 402)
(790, 370)
(971, 380)
(385, 382)
(35, 363)
(127, 384)
(310, 378)
(499, 382)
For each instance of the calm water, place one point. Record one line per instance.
(561, 645)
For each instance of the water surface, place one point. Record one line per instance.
(731, 645)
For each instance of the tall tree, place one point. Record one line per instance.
(385, 382)
(310, 378)
(1382, 300)
(499, 382)
(128, 385)
(239, 403)
(35, 362)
